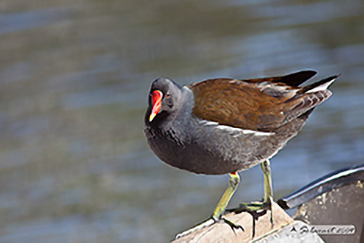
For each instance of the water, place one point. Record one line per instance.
(74, 78)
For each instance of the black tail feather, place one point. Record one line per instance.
(295, 79)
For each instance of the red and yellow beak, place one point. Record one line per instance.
(156, 104)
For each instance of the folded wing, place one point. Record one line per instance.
(258, 104)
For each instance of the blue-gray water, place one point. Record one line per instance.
(74, 79)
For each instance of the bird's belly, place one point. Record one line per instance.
(216, 154)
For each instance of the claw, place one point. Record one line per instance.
(232, 225)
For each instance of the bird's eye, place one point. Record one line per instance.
(168, 95)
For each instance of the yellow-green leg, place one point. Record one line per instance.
(268, 194)
(220, 208)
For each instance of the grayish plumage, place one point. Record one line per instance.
(181, 139)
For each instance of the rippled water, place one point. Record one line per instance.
(74, 79)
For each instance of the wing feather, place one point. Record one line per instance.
(263, 105)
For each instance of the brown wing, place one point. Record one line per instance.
(257, 104)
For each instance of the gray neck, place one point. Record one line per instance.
(183, 112)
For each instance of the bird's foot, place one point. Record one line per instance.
(232, 225)
(255, 207)
(210, 222)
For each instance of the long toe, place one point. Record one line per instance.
(233, 225)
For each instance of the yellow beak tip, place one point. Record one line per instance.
(151, 117)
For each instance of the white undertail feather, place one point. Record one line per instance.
(321, 87)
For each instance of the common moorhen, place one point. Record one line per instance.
(223, 125)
